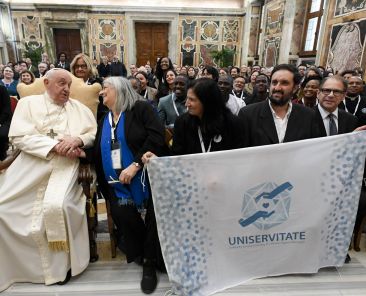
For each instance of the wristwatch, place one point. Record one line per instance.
(136, 164)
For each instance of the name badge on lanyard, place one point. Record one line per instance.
(116, 154)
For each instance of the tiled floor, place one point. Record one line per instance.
(115, 277)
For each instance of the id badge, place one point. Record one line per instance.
(116, 156)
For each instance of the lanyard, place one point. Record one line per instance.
(358, 102)
(241, 96)
(113, 125)
(202, 143)
(174, 105)
(145, 95)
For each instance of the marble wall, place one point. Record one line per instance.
(255, 20)
(105, 34)
(272, 31)
(198, 36)
(107, 37)
(101, 34)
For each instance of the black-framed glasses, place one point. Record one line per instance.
(336, 92)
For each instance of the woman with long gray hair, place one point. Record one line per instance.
(125, 133)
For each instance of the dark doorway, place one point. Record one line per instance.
(68, 41)
(151, 42)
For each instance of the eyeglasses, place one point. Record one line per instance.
(336, 92)
(83, 67)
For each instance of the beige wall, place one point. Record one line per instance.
(216, 4)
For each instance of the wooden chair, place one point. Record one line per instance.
(89, 96)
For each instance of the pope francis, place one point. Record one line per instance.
(43, 225)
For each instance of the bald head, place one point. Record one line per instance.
(57, 83)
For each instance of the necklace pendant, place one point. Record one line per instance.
(52, 134)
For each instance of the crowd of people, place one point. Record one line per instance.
(169, 110)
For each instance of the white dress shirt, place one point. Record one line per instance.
(281, 124)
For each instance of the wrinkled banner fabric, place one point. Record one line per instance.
(227, 217)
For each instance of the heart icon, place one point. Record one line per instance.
(265, 205)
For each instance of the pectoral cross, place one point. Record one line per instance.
(52, 134)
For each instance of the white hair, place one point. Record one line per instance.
(126, 96)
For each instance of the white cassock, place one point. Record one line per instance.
(43, 225)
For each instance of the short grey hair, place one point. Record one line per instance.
(126, 96)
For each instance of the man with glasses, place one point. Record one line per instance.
(331, 119)
(238, 89)
(354, 102)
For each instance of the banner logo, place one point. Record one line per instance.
(266, 205)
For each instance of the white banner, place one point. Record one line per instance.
(227, 217)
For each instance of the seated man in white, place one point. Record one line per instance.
(42, 208)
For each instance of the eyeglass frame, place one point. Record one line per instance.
(328, 91)
(83, 67)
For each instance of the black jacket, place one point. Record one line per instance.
(260, 129)
(5, 119)
(361, 111)
(186, 140)
(346, 122)
(118, 69)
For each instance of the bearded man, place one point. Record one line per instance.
(43, 223)
(278, 120)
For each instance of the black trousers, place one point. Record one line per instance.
(141, 238)
(3, 148)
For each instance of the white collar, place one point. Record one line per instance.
(324, 113)
(288, 110)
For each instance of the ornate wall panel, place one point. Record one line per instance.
(107, 38)
(274, 13)
(29, 30)
(274, 18)
(347, 45)
(344, 7)
(189, 30)
(104, 33)
(231, 30)
(271, 50)
(199, 36)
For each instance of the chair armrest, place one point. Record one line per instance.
(9, 160)
(85, 176)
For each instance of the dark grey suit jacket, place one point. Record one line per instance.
(346, 122)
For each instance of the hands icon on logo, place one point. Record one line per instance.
(266, 204)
